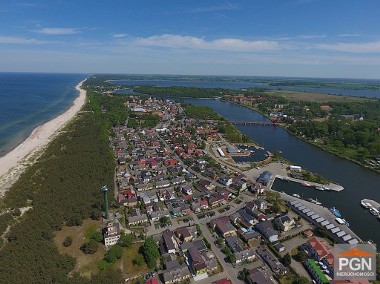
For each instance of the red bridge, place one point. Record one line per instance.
(264, 123)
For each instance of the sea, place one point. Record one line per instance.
(28, 100)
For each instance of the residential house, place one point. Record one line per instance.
(267, 230)
(245, 255)
(216, 200)
(247, 235)
(176, 275)
(279, 247)
(199, 244)
(186, 189)
(261, 204)
(137, 218)
(169, 241)
(178, 180)
(223, 226)
(227, 181)
(163, 183)
(234, 243)
(248, 218)
(284, 223)
(197, 263)
(256, 276)
(275, 265)
(184, 234)
(158, 214)
(144, 187)
(320, 250)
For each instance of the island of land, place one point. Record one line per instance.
(140, 189)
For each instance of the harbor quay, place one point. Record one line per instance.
(279, 170)
(322, 217)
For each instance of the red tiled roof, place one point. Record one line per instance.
(152, 281)
(224, 281)
(321, 247)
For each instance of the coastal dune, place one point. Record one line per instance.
(14, 163)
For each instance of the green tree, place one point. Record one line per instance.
(90, 247)
(114, 253)
(302, 280)
(287, 260)
(164, 220)
(199, 231)
(151, 253)
(126, 240)
(97, 236)
(68, 241)
(75, 220)
(138, 260)
(302, 255)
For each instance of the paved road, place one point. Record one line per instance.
(228, 269)
(297, 266)
(151, 230)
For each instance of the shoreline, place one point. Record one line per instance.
(15, 162)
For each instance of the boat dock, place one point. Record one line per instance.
(322, 217)
(330, 186)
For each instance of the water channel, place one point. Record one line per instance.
(359, 183)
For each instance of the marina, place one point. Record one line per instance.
(337, 228)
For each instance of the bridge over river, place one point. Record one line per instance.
(263, 123)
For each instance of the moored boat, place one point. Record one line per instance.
(296, 195)
(315, 201)
(374, 211)
(364, 204)
(335, 212)
(318, 187)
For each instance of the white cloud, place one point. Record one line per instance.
(368, 47)
(119, 35)
(19, 40)
(58, 31)
(312, 36)
(349, 35)
(223, 7)
(224, 44)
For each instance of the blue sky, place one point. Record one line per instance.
(308, 38)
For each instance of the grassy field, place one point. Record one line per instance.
(314, 97)
(126, 265)
(87, 264)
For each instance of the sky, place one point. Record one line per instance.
(290, 38)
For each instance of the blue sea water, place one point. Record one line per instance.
(31, 99)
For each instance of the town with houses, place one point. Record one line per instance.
(212, 223)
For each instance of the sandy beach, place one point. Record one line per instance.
(14, 163)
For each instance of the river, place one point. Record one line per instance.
(358, 182)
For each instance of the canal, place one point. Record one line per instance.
(358, 182)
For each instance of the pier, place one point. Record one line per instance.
(330, 186)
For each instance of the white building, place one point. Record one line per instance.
(111, 233)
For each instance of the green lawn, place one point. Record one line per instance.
(126, 265)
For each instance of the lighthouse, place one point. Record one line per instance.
(104, 189)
